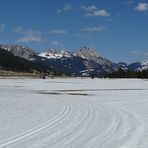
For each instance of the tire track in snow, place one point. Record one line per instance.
(69, 137)
(63, 132)
(124, 131)
(102, 125)
(77, 129)
(120, 129)
(135, 129)
(85, 132)
(31, 132)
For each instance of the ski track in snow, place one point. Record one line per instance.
(107, 119)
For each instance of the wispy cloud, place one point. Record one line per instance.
(2, 27)
(28, 39)
(58, 31)
(89, 8)
(140, 53)
(18, 30)
(2, 42)
(33, 36)
(142, 7)
(93, 11)
(93, 29)
(29, 35)
(129, 2)
(54, 43)
(66, 7)
(85, 36)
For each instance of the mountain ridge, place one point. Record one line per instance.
(85, 61)
(9, 62)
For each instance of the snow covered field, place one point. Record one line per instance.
(73, 113)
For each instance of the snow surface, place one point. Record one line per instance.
(73, 113)
(53, 54)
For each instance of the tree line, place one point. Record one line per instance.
(129, 74)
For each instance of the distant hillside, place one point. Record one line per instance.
(83, 62)
(14, 63)
(21, 51)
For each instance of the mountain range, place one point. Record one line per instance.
(82, 62)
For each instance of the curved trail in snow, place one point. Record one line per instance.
(104, 127)
(94, 125)
(31, 132)
(82, 123)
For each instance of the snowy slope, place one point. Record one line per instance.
(143, 66)
(69, 113)
(84, 59)
(139, 66)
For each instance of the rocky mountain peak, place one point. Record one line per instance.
(21, 51)
(87, 52)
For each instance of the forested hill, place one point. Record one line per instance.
(14, 63)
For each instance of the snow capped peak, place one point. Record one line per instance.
(143, 66)
(55, 54)
(139, 66)
(144, 63)
(84, 52)
(88, 58)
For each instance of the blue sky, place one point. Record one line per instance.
(117, 29)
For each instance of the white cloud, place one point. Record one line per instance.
(31, 32)
(85, 36)
(2, 27)
(91, 11)
(89, 8)
(54, 43)
(58, 31)
(28, 35)
(93, 29)
(142, 7)
(135, 52)
(101, 12)
(18, 29)
(2, 42)
(129, 2)
(28, 39)
(66, 7)
(140, 53)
